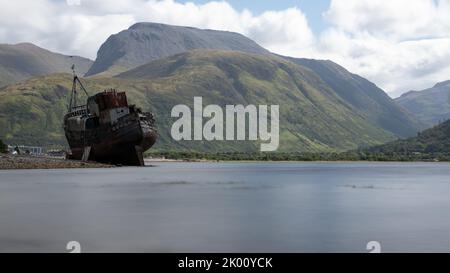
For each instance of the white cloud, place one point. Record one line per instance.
(394, 20)
(81, 29)
(283, 32)
(398, 44)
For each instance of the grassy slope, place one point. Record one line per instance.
(431, 105)
(25, 60)
(312, 117)
(431, 141)
(365, 98)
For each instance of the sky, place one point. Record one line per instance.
(312, 9)
(400, 45)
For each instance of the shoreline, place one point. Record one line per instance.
(165, 160)
(23, 162)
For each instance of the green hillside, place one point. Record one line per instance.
(25, 60)
(313, 118)
(433, 141)
(365, 98)
(431, 105)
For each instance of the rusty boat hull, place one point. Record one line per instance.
(107, 130)
(123, 144)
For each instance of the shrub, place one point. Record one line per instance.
(3, 147)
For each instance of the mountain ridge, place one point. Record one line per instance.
(144, 42)
(364, 96)
(312, 117)
(24, 60)
(431, 105)
(330, 109)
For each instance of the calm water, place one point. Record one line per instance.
(227, 207)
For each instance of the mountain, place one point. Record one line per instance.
(145, 42)
(313, 117)
(364, 97)
(432, 141)
(431, 106)
(323, 106)
(25, 60)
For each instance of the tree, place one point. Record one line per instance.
(3, 147)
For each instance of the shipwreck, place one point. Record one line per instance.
(106, 129)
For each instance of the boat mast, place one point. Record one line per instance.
(73, 97)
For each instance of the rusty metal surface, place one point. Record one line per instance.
(121, 141)
(111, 99)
